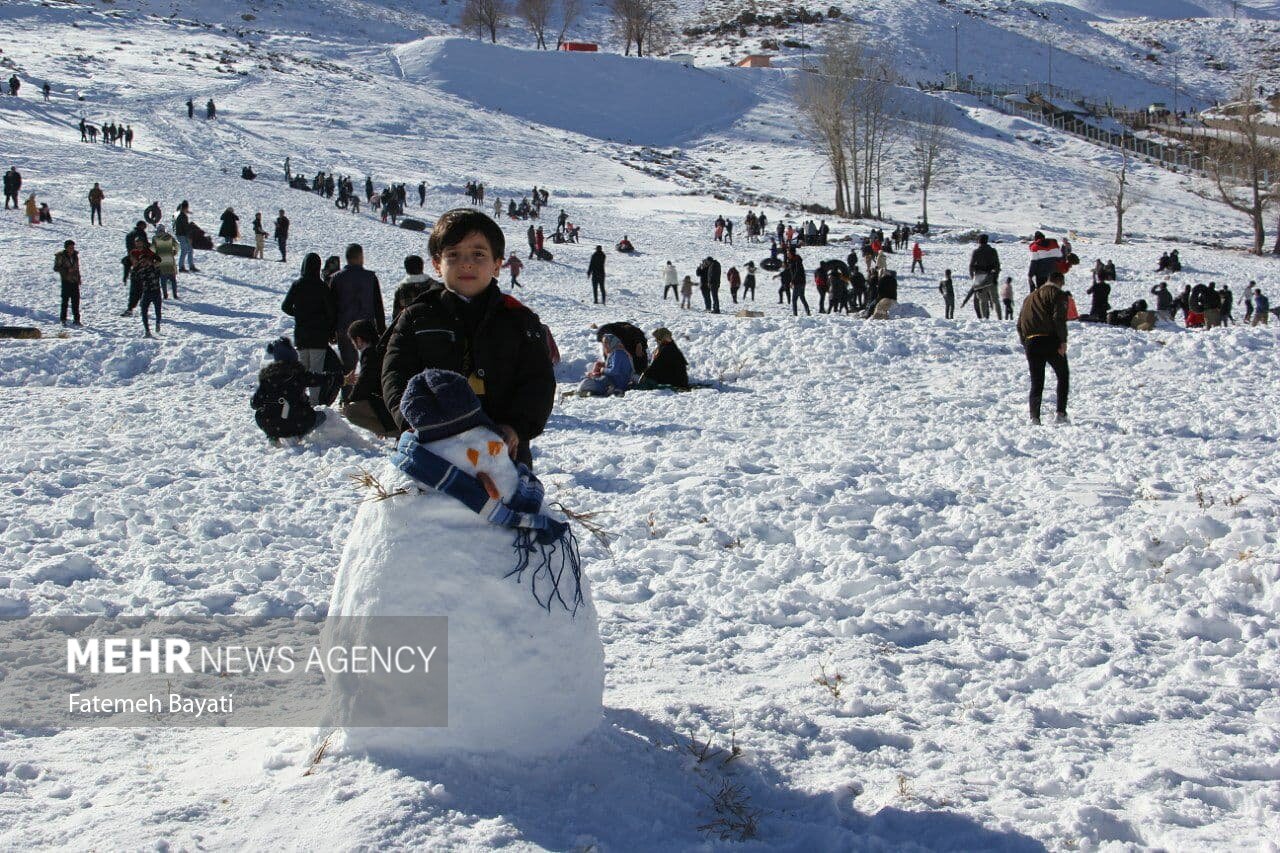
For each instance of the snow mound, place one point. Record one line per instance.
(523, 679)
(603, 95)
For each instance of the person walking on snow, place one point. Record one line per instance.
(210, 111)
(191, 108)
(1042, 329)
(917, 257)
(670, 281)
(514, 264)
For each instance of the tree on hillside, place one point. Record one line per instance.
(846, 109)
(570, 10)
(484, 16)
(536, 13)
(931, 154)
(643, 22)
(1117, 192)
(1243, 166)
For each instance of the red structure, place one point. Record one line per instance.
(580, 45)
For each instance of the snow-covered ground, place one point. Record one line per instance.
(1063, 637)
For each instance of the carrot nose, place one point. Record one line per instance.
(496, 447)
(473, 455)
(489, 485)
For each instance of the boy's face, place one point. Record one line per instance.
(467, 268)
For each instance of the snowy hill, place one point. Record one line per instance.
(1062, 638)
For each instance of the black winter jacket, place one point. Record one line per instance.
(280, 405)
(669, 367)
(595, 268)
(505, 349)
(310, 303)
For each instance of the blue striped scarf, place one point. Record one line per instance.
(541, 540)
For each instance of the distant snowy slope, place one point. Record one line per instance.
(603, 95)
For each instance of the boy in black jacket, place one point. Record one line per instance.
(469, 326)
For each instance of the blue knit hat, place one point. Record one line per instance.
(440, 403)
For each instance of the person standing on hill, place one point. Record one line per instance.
(595, 272)
(310, 303)
(749, 281)
(947, 288)
(210, 111)
(259, 236)
(96, 195)
(191, 108)
(166, 249)
(182, 231)
(795, 264)
(281, 234)
(12, 186)
(670, 281)
(1006, 296)
(917, 258)
(67, 265)
(357, 296)
(1042, 329)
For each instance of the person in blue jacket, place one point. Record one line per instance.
(611, 376)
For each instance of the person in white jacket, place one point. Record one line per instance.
(1006, 296)
(670, 281)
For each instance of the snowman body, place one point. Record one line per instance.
(523, 679)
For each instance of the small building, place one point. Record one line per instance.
(584, 46)
(686, 58)
(756, 60)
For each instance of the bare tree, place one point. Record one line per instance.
(484, 16)
(931, 153)
(1243, 167)
(1118, 193)
(874, 127)
(825, 104)
(536, 13)
(641, 22)
(570, 10)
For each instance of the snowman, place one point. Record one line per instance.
(464, 535)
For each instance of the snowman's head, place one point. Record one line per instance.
(447, 418)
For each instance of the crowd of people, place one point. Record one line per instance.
(336, 305)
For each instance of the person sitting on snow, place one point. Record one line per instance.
(364, 406)
(624, 245)
(668, 368)
(611, 376)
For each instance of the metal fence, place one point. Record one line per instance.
(1037, 102)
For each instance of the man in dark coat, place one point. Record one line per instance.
(67, 265)
(595, 271)
(358, 296)
(713, 284)
(191, 108)
(364, 405)
(12, 184)
(282, 235)
(1042, 329)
